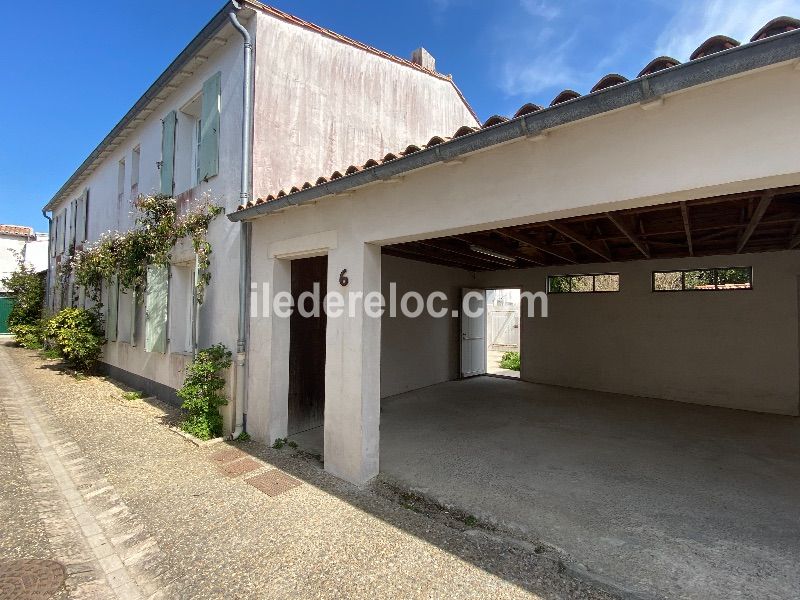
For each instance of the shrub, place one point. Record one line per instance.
(27, 287)
(77, 334)
(29, 336)
(510, 361)
(201, 393)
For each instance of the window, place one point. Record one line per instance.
(717, 278)
(577, 284)
(136, 157)
(181, 308)
(121, 182)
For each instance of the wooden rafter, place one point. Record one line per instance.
(755, 219)
(687, 228)
(404, 252)
(526, 240)
(634, 239)
(581, 240)
(494, 247)
(472, 256)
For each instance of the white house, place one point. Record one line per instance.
(673, 196)
(316, 101)
(20, 242)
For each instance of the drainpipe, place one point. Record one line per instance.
(49, 242)
(244, 196)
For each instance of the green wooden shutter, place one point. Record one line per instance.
(168, 153)
(156, 299)
(73, 228)
(113, 310)
(209, 129)
(81, 206)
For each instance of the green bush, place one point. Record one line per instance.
(77, 334)
(27, 288)
(510, 361)
(201, 393)
(29, 336)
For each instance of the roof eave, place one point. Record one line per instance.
(735, 61)
(200, 40)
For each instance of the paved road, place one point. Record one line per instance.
(132, 510)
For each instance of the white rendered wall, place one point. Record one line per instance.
(726, 137)
(736, 349)
(322, 105)
(423, 351)
(10, 247)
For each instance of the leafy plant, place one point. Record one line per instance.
(511, 361)
(279, 443)
(201, 392)
(158, 228)
(27, 287)
(29, 336)
(77, 335)
(130, 396)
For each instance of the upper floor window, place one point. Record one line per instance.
(717, 278)
(121, 182)
(593, 282)
(136, 157)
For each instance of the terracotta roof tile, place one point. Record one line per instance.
(565, 96)
(527, 109)
(609, 80)
(17, 230)
(775, 27)
(712, 45)
(658, 64)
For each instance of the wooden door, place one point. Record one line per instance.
(307, 348)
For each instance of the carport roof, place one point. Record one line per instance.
(716, 58)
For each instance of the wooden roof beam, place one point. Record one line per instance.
(580, 240)
(634, 239)
(494, 247)
(755, 219)
(687, 228)
(526, 240)
(470, 256)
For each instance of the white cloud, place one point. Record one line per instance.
(697, 20)
(541, 8)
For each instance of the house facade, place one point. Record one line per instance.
(318, 101)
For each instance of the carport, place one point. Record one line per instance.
(661, 217)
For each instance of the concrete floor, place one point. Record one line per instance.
(663, 499)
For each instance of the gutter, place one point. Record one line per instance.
(183, 59)
(643, 90)
(244, 231)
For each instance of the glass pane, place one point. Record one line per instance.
(735, 278)
(669, 281)
(699, 280)
(606, 283)
(582, 283)
(558, 284)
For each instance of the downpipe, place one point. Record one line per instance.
(244, 232)
(50, 275)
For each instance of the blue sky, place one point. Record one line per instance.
(72, 69)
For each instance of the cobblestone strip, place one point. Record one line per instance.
(105, 550)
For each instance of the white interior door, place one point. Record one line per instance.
(473, 333)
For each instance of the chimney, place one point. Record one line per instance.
(424, 59)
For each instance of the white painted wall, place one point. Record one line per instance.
(322, 105)
(11, 246)
(737, 349)
(726, 137)
(419, 352)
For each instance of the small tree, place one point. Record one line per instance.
(27, 287)
(201, 392)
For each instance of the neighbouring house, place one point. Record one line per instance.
(661, 215)
(17, 243)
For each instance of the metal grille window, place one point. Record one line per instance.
(591, 283)
(692, 280)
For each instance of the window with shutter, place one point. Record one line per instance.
(156, 300)
(168, 153)
(81, 214)
(113, 308)
(208, 160)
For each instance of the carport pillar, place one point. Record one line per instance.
(352, 365)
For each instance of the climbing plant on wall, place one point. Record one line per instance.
(158, 227)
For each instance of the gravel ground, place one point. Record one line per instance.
(220, 537)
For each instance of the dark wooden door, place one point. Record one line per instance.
(307, 348)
